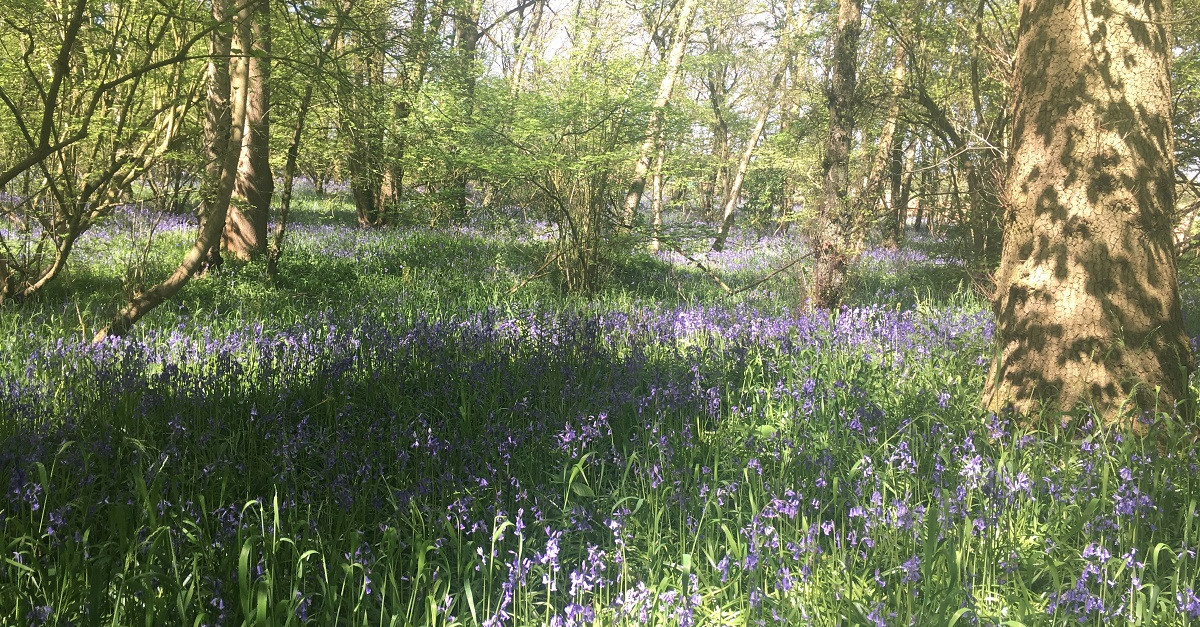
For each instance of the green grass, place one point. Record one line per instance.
(389, 434)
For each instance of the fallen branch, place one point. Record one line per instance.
(696, 262)
(771, 275)
(536, 273)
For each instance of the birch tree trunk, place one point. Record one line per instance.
(1087, 300)
(638, 185)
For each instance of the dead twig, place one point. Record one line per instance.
(536, 273)
(774, 273)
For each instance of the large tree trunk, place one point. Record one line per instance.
(246, 225)
(683, 27)
(832, 241)
(224, 120)
(1087, 301)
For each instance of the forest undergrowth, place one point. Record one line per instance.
(389, 434)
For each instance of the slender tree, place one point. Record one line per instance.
(657, 190)
(1087, 301)
(683, 27)
(363, 111)
(292, 158)
(886, 153)
(65, 158)
(224, 121)
(735, 187)
(466, 44)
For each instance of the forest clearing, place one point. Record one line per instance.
(588, 313)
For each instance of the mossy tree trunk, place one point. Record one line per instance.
(834, 222)
(1087, 300)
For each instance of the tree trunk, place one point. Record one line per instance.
(735, 188)
(466, 40)
(638, 185)
(1087, 300)
(360, 120)
(832, 241)
(873, 192)
(289, 179)
(411, 76)
(224, 121)
(656, 196)
(910, 159)
(245, 232)
(719, 185)
(898, 212)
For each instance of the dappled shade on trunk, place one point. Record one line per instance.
(245, 232)
(1087, 299)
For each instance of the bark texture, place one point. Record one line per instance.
(833, 224)
(1087, 300)
(245, 232)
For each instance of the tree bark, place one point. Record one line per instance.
(245, 232)
(897, 212)
(719, 186)
(224, 121)
(656, 196)
(466, 41)
(411, 77)
(683, 27)
(1087, 301)
(361, 103)
(832, 241)
(906, 180)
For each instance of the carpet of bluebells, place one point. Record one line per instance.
(388, 435)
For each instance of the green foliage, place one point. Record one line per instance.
(1185, 80)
